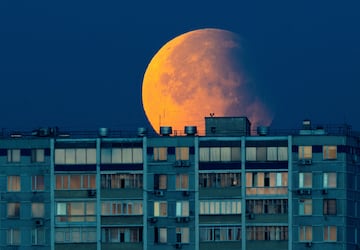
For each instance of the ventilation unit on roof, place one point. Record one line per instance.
(141, 132)
(165, 130)
(103, 132)
(263, 130)
(190, 130)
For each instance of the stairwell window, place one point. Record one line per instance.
(329, 152)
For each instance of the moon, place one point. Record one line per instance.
(196, 74)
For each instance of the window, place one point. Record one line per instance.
(182, 208)
(305, 207)
(277, 154)
(75, 212)
(160, 154)
(115, 181)
(109, 208)
(75, 156)
(75, 234)
(330, 233)
(305, 233)
(182, 235)
(217, 207)
(13, 155)
(13, 210)
(75, 182)
(329, 152)
(305, 152)
(121, 234)
(160, 235)
(329, 180)
(160, 208)
(305, 180)
(160, 181)
(37, 183)
(267, 233)
(223, 233)
(182, 182)
(269, 206)
(37, 210)
(329, 206)
(38, 236)
(38, 155)
(182, 153)
(121, 155)
(13, 183)
(219, 180)
(13, 236)
(224, 154)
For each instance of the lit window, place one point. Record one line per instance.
(13, 237)
(330, 152)
(13, 210)
(305, 180)
(305, 233)
(38, 236)
(182, 235)
(37, 210)
(182, 153)
(75, 182)
(115, 208)
(182, 208)
(37, 155)
(182, 182)
(329, 180)
(160, 181)
(37, 183)
(305, 152)
(329, 206)
(13, 155)
(75, 212)
(160, 235)
(330, 233)
(75, 156)
(217, 207)
(13, 183)
(160, 208)
(160, 154)
(305, 207)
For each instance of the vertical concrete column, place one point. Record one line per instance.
(243, 193)
(196, 187)
(98, 194)
(52, 195)
(145, 188)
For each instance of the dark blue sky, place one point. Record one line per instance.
(80, 64)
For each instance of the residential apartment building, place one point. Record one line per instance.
(226, 189)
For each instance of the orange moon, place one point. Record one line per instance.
(198, 73)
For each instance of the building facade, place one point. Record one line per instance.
(229, 190)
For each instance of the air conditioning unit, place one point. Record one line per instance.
(301, 191)
(186, 193)
(185, 219)
(178, 164)
(178, 245)
(185, 163)
(307, 191)
(91, 193)
(39, 222)
(251, 216)
(305, 162)
(159, 193)
(153, 220)
(308, 244)
(324, 191)
(178, 219)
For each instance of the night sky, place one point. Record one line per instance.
(80, 64)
